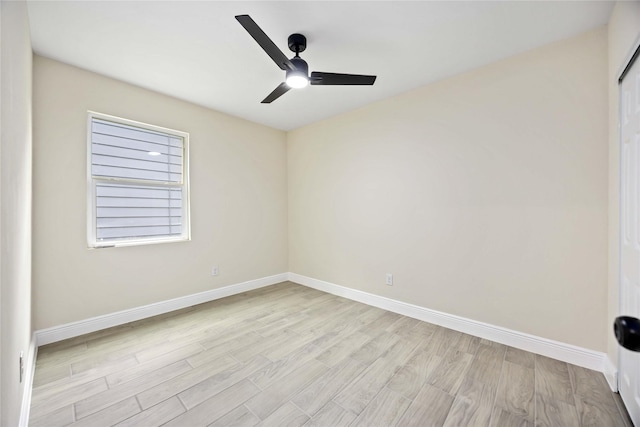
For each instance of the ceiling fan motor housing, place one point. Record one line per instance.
(297, 43)
(301, 66)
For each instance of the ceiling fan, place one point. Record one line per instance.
(297, 70)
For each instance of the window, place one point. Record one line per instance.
(138, 183)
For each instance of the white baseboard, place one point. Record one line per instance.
(29, 372)
(561, 351)
(557, 350)
(611, 373)
(74, 329)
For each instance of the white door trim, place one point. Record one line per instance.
(630, 59)
(626, 64)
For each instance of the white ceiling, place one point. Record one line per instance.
(198, 52)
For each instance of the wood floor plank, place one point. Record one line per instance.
(375, 348)
(214, 384)
(228, 330)
(100, 370)
(210, 333)
(318, 393)
(239, 417)
(58, 352)
(216, 406)
(331, 415)
(443, 340)
(298, 343)
(271, 328)
(503, 418)
(56, 401)
(402, 325)
(341, 312)
(451, 371)
(486, 365)
(62, 353)
(111, 415)
(309, 325)
(472, 406)
(362, 390)
(153, 351)
(272, 317)
(409, 379)
(520, 357)
(274, 396)
(381, 323)
(179, 383)
(430, 408)
(59, 417)
(127, 336)
(552, 379)
(492, 343)
(102, 360)
(264, 345)
(593, 399)
(594, 413)
(288, 415)
(421, 332)
(333, 335)
(401, 352)
(156, 415)
(127, 374)
(341, 350)
(99, 401)
(224, 347)
(588, 383)
(466, 344)
(516, 391)
(551, 412)
(365, 314)
(68, 383)
(338, 326)
(385, 410)
(102, 367)
(45, 375)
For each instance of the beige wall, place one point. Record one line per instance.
(624, 30)
(485, 194)
(238, 201)
(15, 204)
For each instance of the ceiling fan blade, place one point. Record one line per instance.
(265, 42)
(320, 78)
(277, 93)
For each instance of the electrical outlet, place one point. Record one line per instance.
(389, 279)
(21, 365)
(214, 270)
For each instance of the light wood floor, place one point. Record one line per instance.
(288, 355)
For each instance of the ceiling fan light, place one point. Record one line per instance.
(296, 80)
(298, 77)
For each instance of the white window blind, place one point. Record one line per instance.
(138, 188)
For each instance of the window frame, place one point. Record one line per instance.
(92, 181)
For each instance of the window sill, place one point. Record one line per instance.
(105, 245)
